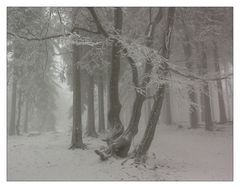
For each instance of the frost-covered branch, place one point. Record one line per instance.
(38, 38)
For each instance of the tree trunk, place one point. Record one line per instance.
(101, 119)
(168, 106)
(148, 105)
(207, 109)
(221, 104)
(12, 128)
(142, 149)
(91, 131)
(192, 109)
(107, 88)
(229, 94)
(25, 127)
(200, 72)
(121, 145)
(145, 144)
(202, 105)
(207, 106)
(77, 119)
(165, 52)
(115, 106)
(191, 92)
(77, 141)
(19, 112)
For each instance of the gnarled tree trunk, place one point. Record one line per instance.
(145, 144)
(121, 145)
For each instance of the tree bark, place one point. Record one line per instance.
(148, 105)
(191, 92)
(165, 52)
(168, 106)
(19, 112)
(12, 128)
(221, 103)
(25, 127)
(200, 72)
(101, 119)
(115, 106)
(142, 149)
(77, 141)
(207, 105)
(145, 144)
(107, 88)
(91, 131)
(121, 145)
(77, 119)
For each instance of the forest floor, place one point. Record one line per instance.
(175, 154)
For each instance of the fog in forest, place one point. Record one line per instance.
(119, 93)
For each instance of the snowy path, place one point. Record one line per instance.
(181, 154)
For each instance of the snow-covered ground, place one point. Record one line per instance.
(176, 154)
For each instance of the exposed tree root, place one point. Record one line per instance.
(103, 155)
(118, 148)
(127, 159)
(114, 134)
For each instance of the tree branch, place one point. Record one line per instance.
(95, 17)
(52, 36)
(191, 76)
(97, 22)
(134, 71)
(85, 30)
(38, 39)
(220, 78)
